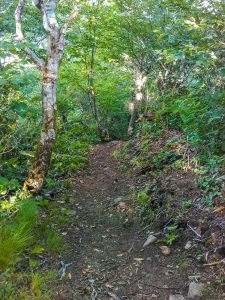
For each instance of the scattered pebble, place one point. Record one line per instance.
(139, 259)
(188, 245)
(195, 290)
(194, 277)
(165, 250)
(122, 205)
(176, 297)
(150, 240)
(117, 201)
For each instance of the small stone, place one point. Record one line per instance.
(188, 245)
(195, 290)
(165, 250)
(122, 205)
(194, 277)
(150, 240)
(117, 201)
(176, 297)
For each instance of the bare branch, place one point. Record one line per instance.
(62, 33)
(71, 17)
(47, 10)
(38, 61)
(40, 7)
(38, 3)
(18, 14)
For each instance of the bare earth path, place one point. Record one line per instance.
(105, 242)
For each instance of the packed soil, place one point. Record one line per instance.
(105, 241)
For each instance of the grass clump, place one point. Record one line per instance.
(16, 234)
(23, 244)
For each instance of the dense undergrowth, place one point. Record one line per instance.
(180, 179)
(24, 239)
(180, 129)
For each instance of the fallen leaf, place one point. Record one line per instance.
(88, 290)
(214, 263)
(97, 250)
(108, 285)
(113, 296)
(150, 240)
(219, 209)
(139, 259)
(85, 270)
(69, 275)
(165, 250)
(122, 206)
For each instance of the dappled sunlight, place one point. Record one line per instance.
(112, 125)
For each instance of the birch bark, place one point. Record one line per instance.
(49, 70)
(139, 97)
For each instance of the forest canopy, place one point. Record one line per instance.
(122, 59)
(142, 77)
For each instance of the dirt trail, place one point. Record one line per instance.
(106, 243)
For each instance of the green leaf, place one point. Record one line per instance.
(4, 181)
(4, 184)
(20, 108)
(37, 250)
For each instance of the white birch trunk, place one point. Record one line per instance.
(139, 97)
(49, 70)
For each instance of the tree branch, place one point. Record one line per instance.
(70, 18)
(47, 10)
(39, 6)
(38, 61)
(18, 14)
(64, 27)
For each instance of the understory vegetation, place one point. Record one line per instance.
(168, 55)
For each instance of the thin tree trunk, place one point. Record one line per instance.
(92, 95)
(139, 96)
(41, 162)
(91, 81)
(49, 70)
(92, 98)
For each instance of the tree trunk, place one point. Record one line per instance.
(41, 162)
(92, 99)
(49, 70)
(42, 158)
(139, 96)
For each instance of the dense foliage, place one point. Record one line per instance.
(177, 45)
